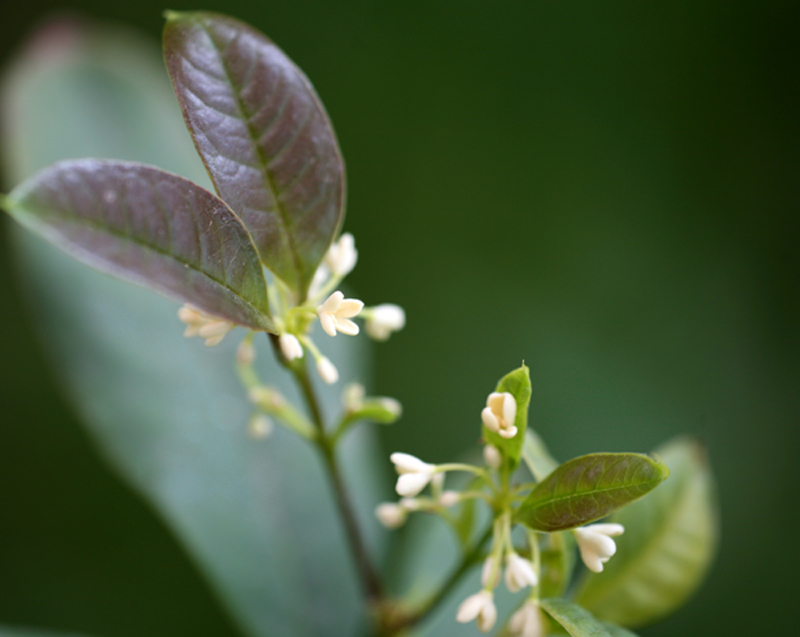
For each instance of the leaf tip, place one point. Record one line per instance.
(662, 467)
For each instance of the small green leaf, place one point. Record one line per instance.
(588, 488)
(151, 227)
(536, 456)
(577, 621)
(669, 541)
(264, 137)
(518, 384)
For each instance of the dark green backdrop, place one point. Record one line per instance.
(608, 190)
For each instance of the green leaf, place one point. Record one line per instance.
(264, 136)
(577, 621)
(669, 542)
(518, 384)
(166, 412)
(151, 227)
(588, 488)
(618, 631)
(536, 456)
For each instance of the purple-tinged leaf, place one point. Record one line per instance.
(264, 137)
(588, 488)
(150, 227)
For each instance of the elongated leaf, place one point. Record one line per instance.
(166, 412)
(264, 136)
(577, 621)
(518, 384)
(536, 456)
(588, 488)
(151, 227)
(670, 539)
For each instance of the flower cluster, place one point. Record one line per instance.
(518, 566)
(324, 302)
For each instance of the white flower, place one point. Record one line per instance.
(486, 574)
(500, 413)
(246, 353)
(527, 621)
(391, 515)
(519, 573)
(327, 371)
(335, 314)
(414, 474)
(212, 328)
(449, 498)
(318, 282)
(392, 405)
(260, 426)
(492, 457)
(290, 347)
(342, 255)
(596, 545)
(384, 319)
(479, 606)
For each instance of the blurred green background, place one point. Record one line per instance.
(607, 190)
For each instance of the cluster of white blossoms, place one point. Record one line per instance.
(334, 311)
(211, 328)
(519, 569)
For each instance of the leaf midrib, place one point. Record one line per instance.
(268, 181)
(79, 220)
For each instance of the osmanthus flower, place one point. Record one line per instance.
(527, 621)
(595, 543)
(414, 474)
(327, 371)
(290, 346)
(500, 413)
(342, 256)
(479, 607)
(212, 328)
(335, 314)
(394, 514)
(384, 319)
(519, 573)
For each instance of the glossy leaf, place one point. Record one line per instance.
(577, 621)
(150, 227)
(588, 488)
(518, 384)
(166, 412)
(536, 456)
(264, 136)
(669, 541)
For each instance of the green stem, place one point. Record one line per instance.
(370, 580)
(467, 562)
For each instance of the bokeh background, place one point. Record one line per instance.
(607, 190)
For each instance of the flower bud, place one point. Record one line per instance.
(327, 371)
(290, 346)
(384, 319)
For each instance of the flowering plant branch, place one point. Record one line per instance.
(266, 253)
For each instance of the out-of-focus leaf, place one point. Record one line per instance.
(558, 560)
(588, 488)
(167, 412)
(5, 631)
(518, 384)
(669, 541)
(536, 456)
(618, 631)
(151, 227)
(264, 136)
(577, 621)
